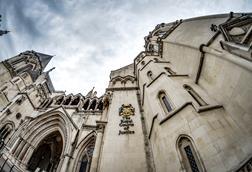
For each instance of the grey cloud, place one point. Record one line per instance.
(92, 37)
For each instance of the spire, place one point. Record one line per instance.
(50, 70)
(90, 93)
(44, 59)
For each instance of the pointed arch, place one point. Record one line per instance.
(92, 105)
(75, 101)
(194, 95)
(47, 155)
(84, 154)
(86, 104)
(170, 71)
(150, 75)
(59, 100)
(67, 100)
(100, 105)
(6, 129)
(39, 129)
(188, 155)
(165, 102)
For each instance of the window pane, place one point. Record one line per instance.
(167, 104)
(191, 159)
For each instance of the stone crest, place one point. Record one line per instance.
(126, 111)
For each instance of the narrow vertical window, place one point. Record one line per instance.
(59, 100)
(171, 72)
(195, 95)
(86, 104)
(86, 160)
(150, 75)
(67, 100)
(189, 157)
(93, 105)
(5, 131)
(165, 102)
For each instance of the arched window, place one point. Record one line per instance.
(195, 95)
(189, 157)
(165, 102)
(25, 68)
(5, 131)
(86, 104)
(46, 103)
(87, 158)
(75, 101)
(93, 105)
(49, 103)
(67, 101)
(171, 72)
(100, 105)
(47, 154)
(59, 100)
(150, 75)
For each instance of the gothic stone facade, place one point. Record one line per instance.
(184, 104)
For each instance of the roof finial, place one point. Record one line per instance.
(50, 70)
(90, 93)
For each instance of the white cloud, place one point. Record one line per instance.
(90, 38)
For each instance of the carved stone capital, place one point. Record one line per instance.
(100, 126)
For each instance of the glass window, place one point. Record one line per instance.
(195, 95)
(150, 75)
(171, 72)
(189, 157)
(165, 102)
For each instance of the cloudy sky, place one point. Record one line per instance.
(89, 38)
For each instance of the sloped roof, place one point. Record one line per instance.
(44, 59)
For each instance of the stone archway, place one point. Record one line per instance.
(46, 156)
(84, 153)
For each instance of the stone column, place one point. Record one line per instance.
(14, 147)
(19, 148)
(64, 163)
(98, 144)
(24, 150)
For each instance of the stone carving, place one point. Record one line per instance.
(126, 111)
(238, 30)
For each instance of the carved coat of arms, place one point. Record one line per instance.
(127, 110)
(126, 122)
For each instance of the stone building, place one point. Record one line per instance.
(184, 104)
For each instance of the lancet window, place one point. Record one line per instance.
(170, 71)
(190, 159)
(165, 102)
(195, 95)
(5, 131)
(150, 75)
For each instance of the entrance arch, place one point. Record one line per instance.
(39, 131)
(47, 154)
(84, 153)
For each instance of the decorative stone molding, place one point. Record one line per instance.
(238, 33)
(100, 126)
(123, 79)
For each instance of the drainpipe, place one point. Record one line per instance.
(202, 57)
